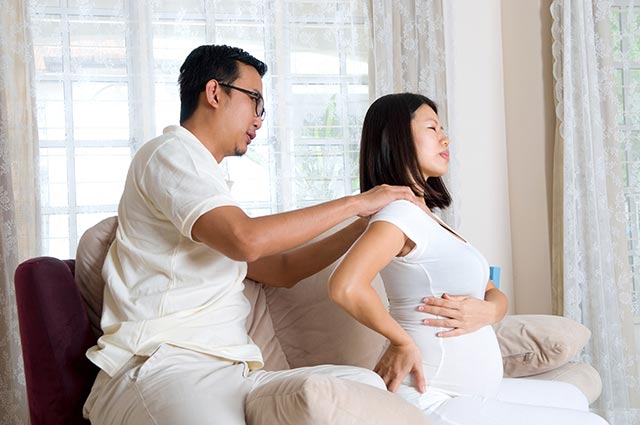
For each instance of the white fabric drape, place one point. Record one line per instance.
(18, 195)
(408, 55)
(596, 281)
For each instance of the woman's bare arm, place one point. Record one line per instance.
(350, 287)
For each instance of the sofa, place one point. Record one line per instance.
(301, 327)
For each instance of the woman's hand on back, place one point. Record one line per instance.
(397, 362)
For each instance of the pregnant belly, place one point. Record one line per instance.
(469, 364)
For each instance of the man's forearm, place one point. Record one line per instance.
(285, 231)
(229, 230)
(289, 268)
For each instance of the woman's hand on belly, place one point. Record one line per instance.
(462, 313)
(397, 362)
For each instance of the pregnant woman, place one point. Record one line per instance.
(416, 253)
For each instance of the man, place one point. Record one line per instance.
(175, 349)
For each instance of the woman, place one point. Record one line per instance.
(403, 143)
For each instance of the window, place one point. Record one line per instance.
(625, 25)
(106, 76)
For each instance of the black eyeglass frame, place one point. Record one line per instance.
(254, 95)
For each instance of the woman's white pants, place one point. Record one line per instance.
(519, 401)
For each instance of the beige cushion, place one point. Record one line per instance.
(582, 375)
(325, 400)
(533, 344)
(260, 327)
(91, 252)
(313, 330)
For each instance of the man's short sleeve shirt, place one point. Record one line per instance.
(162, 287)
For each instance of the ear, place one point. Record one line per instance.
(212, 93)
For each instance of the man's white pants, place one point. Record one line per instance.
(178, 386)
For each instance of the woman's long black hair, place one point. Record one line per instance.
(387, 150)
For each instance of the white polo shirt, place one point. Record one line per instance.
(162, 287)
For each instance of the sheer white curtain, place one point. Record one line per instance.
(408, 55)
(105, 81)
(595, 235)
(18, 199)
(107, 71)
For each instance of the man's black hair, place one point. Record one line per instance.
(210, 62)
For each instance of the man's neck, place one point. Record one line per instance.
(205, 135)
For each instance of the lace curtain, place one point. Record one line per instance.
(408, 55)
(106, 74)
(18, 200)
(597, 168)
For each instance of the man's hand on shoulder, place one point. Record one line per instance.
(373, 200)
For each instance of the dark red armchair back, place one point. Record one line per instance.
(55, 334)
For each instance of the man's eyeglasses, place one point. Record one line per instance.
(257, 98)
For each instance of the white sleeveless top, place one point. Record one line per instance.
(440, 263)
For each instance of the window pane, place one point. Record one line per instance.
(238, 9)
(633, 29)
(50, 110)
(616, 35)
(251, 176)
(173, 41)
(183, 7)
(167, 97)
(625, 27)
(97, 46)
(100, 175)
(47, 33)
(320, 115)
(56, 229)
(53, 177)
(100, 111)
(316, 167)
(97, 4)
(249, 37)
(314, 63)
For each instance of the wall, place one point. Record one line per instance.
(475, 100)
(501, 116)
(530, 127)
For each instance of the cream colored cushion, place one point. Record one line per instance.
(313, 330)
(91, 252)
(260, 327)
(533, 344)
(325, 400)
(582, 375)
